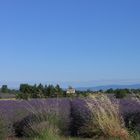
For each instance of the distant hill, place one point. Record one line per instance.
(135, 86)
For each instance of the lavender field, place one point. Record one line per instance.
(72, 113)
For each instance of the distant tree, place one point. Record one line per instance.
(26, 91)
(88, 91)
(101, 91)
(110, 91)
(40, 91)
(121, 93)
(50, 91)
(41, 87)
(23, 88)
(4, 89)
(58, 91)
(45, 92)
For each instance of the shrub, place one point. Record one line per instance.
(121, 93)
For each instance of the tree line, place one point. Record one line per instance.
(27, 91)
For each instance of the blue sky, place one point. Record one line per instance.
(77, 41)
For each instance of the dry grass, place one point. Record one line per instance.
(6, 99)
(107, 117)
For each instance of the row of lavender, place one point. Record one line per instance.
(13, 111)
(73, 112)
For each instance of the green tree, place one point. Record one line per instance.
(40, 91)
(110, 91)
(4, 89)
(121, 93)
(51, 91)
(45, 92)
(58, 91)
(26, 91)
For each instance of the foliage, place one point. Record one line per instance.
(4, 89)
(39, 91)
(110, 91)
(121, 93)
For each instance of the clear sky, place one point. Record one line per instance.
(70, 40)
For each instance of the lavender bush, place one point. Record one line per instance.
(44, 115)
(80, 115)
(130, 110)
(12, 111)
(15, 111)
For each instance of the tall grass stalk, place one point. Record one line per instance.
(107, 117)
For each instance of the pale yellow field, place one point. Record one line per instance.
(8, 99)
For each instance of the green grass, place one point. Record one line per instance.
(2, 129)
